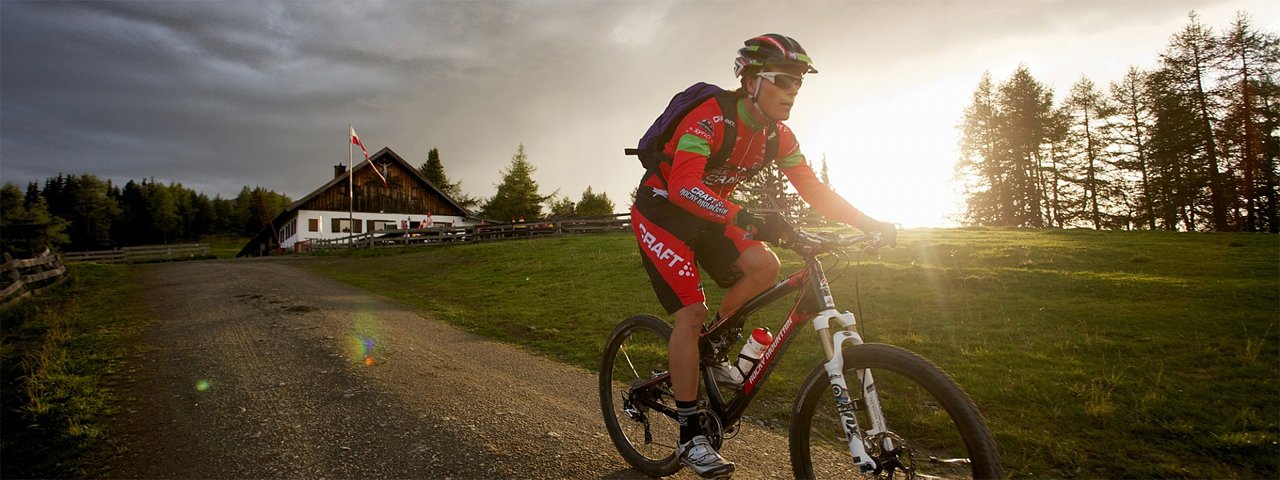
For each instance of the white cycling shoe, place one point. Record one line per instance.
(698, 455)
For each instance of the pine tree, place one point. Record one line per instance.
(1176, 175)
(1086, 138)
(1186, 64)
(561, 207)
(978, 168)
(517, 196)
(1026, 108)
(1006, 141)
(433, 169)
(27, 225)
(594, 205)
(1131, 133)
(1249, 64)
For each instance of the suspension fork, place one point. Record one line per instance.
(833, 344)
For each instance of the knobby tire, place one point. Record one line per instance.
(914, 374)
(641, 339)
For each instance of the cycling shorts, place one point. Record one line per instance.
(674, 243)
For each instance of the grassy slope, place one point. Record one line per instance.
(1094, 354)
(63, 355)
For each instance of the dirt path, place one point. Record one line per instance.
(256, 371)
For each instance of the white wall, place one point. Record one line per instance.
(325, 220)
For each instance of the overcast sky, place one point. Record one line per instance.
(218, 95)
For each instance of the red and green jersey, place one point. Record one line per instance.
(704, 192)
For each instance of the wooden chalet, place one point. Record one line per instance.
(408, 200)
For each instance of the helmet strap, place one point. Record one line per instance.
(755, 101)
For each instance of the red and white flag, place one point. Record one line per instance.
(355, 140)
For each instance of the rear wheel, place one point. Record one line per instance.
(936, 431)
(635, 355)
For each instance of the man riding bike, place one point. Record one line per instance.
(683, 219)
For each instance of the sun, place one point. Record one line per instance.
(888, 158)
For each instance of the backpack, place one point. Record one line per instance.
(649, 149)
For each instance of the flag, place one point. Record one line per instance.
(355, 140)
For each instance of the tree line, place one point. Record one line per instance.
(517, 198)
(83, 212)
(1190, 144)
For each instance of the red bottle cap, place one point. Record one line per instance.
(762, 336)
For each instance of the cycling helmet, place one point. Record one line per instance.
(773, 49)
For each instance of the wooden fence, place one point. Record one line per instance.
(30, 276)
(140, 254)
(472, 234)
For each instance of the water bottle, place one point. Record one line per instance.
(756, 344)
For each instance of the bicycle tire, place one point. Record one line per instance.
(914, 394)
(638, 340)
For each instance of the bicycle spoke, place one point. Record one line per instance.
(632, 365)
(927, 416)
(635, 395)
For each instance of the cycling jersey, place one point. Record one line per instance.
(682, 217)
(705, 193)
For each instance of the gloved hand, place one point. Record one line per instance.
(771, 227)
(888, 231)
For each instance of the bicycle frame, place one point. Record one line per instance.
(814, 304)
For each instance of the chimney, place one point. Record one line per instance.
(339, 170)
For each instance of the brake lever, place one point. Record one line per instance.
(873, 247)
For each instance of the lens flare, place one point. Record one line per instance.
(203, 385)
(363, 339)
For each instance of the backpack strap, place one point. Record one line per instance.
(729, 110)
(771, 143)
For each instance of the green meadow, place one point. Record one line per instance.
(1093, 354)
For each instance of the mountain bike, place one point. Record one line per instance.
(903, 417)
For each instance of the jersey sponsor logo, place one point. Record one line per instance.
(705, 200)
(661, 252)
(705, 125)
(724, 179)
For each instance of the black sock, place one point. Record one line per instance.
(687, 416)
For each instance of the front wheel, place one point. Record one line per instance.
(636, 396)
(934, 428)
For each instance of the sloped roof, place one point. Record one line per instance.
(384, 153)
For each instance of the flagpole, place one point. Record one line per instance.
(351, 194)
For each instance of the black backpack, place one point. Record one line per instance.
(649, 149)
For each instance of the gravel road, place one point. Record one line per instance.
(256, 369)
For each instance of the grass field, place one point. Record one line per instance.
(62, 356)
(1093, 354)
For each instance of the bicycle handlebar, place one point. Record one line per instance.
(809, 243)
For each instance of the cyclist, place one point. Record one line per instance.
(682, 217)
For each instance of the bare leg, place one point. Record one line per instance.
(682, 351)
(759, 268)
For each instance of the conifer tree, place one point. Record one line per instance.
(433, 169)
(594, 205)
(517, 196)
(27, 225)
(1249, 64)
(1131, 132)
(1186, 64)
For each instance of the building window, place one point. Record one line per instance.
(343, 225)
(382, 225)
(289, 230)
(313, 224)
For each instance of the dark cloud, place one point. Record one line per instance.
(222, 94)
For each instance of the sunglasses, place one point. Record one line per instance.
(782, 80)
